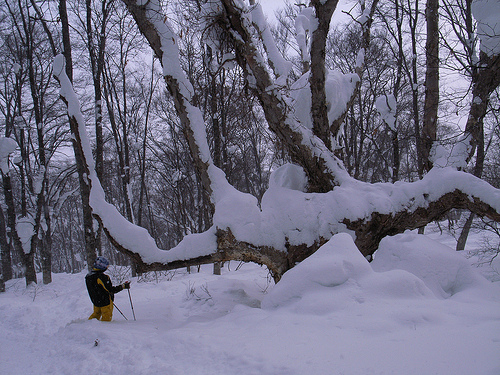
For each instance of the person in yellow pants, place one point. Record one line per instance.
(101, 290)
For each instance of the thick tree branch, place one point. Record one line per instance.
(485, 81)
(277, 112)
(317, 78)
(182, 104)
(370, 232)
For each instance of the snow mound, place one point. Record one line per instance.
(290, 176)
(338, 276)
(339, 88)
(444, 271)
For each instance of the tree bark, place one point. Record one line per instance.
(429, 126)
(464, 234)
(5, 255)
(370, 232)
(486, 81)
(317, 78)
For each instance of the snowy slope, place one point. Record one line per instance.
(419, 308)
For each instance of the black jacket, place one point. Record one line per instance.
(100, 289)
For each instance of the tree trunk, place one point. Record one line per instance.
(317, 77)
(42, 206)
(429, 126)
(413, 75)
(82, 168)
(478, 172)
(486, 81)
(46, 254)
(462, 240)
(27, 258)
(6, 271)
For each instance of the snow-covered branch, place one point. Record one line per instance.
(292, 125)
(293, 220)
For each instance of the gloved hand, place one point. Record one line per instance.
(126, 285)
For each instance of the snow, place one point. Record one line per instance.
(442, 270)
(386, 106)
(25, 229)
(280, 65)
(412, 311)
(16, 68)
(334, 313)
(360, 58)
(454, 155)
(7, 147)
(305, 24)
(287, 214)
(338, 88)
(487, 15)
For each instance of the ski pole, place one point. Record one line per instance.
(119, 311)
(131, 305)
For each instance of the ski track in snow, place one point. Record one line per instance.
(372, 323)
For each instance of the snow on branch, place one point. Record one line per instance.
(289, 216)
(125, 234)
(487, 14)
(292, 125)
(280, 66)
(302, 218)
(7, 147)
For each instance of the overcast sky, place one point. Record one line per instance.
(270, 6)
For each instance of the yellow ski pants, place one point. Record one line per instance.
(104, 313)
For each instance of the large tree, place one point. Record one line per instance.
(306, 203)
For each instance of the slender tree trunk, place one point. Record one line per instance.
(217, 151)
(88, 221)
(429, 126)
(142, 153)
(6, 271)
(395, 156)
(486, 81)
(414, 89)
(478, 172)
(27, 258)
(464, 234)
(41, 196)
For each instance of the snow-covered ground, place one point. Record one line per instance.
(418, 308)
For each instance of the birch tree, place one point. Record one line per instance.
(240, 230)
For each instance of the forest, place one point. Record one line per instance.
(168, 134)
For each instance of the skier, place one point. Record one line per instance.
(101, 291)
